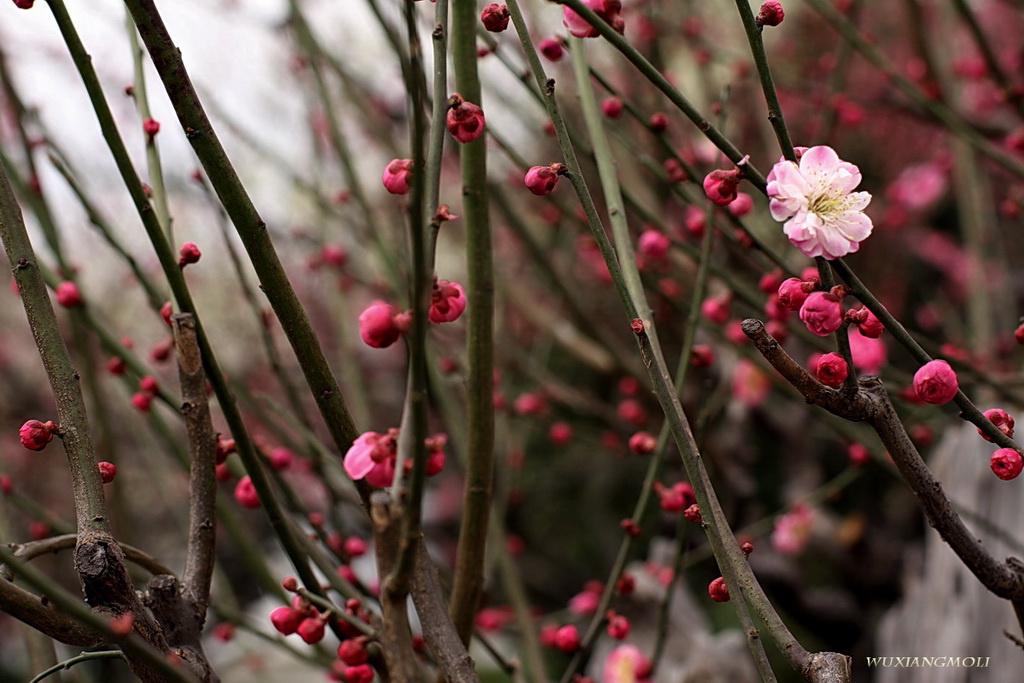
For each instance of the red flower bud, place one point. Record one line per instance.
(107, 472)
(35, 434)
(718, 591)
(68, 295)
(1007, 463)
(495, 17)
(189, 254)
(770, 14)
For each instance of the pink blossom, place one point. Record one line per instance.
(495, 17)
(823, 215)
(822, 313)
(750, 385)
(831, 370)
(793, 530)
(626, 664)
(869, 355)
(653, 244)
(935, 382)
(1001, 419)
(793, 293)
(605, 9)
(447, 302)
(377, 325)
(68, 295)
(721, 186)
(541, 180)
(716, 309)
(1006, 463)
(718, 591)
(245, 493)
(551, 48)
(372, 457)
(742, 205)
(612, 107)
(397, 175)
(770, 14)
(35, 435)
(567, 638)
(919, 186)
(465, 120)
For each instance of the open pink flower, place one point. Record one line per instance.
(823, 215)
(447, 302)
(606, 9)
(626, 664)
(372, 457)
(793, 530)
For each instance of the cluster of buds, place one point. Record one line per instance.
(301, 618)
(148, 389)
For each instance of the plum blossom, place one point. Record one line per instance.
(626, 664)
(793, 530)
(936, 382)
(823, 215)
(372, 457)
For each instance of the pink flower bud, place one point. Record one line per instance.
(24, 4)
(117, 366)
(1001, 419)
(68, 295)
(831, 370)
(161, 351)
(353, 651)
(718, 591)
(741, 206)
(361, 673)
(653, 244)
(377, 325)
(642, 443)
(716, 309)
(771, 14)
(107, 471)
(281, 458)
(606, 9)
(35, 435)
(245, 493)
(465, 120)
(148, 385)
(151, 127)
(618, 626)
(567, 638)
(495, 17)
(658, 122)
(311, 630)
(935, 382)
(1006, 463)
(397, 175)
(225, 447)
(541, 180)
(612, 107)
(447, 302)
(692, 513)
(560, 433)
(189, 254)
(722, 186)
(142, 401)
(822, 313)
(286, 620)
(702, 356)
(551, 48)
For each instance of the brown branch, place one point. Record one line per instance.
(98, 558)
(41, 614)
(202, 446)
(871, 403)
(438, 630)
(55, 544)
(395, 636)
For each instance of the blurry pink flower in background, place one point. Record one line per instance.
(918, 186)
(869, 355)
(823, 215)
(749, 384)
(606, 9)
(793, 530)
(626, 664)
